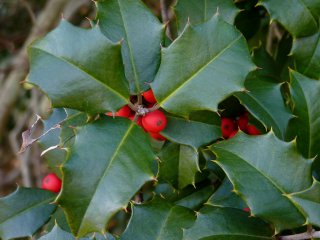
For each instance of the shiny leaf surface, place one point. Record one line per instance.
(165, 221)
(305, 94)
(141, 32)
(203, 66)
(83, 69)
(223, 224)
(23, 212)
(254, 164)
(120, 153)
(199, 11)
(306, 14)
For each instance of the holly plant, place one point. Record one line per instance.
(203, 127)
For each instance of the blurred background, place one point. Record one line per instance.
(21, 22)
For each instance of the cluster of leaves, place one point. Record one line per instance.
(195, 185)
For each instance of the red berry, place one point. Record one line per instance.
(246, 209)
(252, 130)
(52, 183)
(139, 120)
(233, 134)
(154, 121)
(157, 136)
(243, 121)
(149, 97)
(125, 111)
(227, 127)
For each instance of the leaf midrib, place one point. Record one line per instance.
(136, 79)
(26, 209)
(164, 223)
(313, 54)
(308, 115)
(266, 110)
(81, 70)
(283, 193)
(125, 136)
(199, 70)
(309, 11)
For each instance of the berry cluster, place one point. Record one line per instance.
(230, 127)
(152, 122)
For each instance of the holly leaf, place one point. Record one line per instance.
(223, 224)
(306, 54)
(165, 221)
(190, 132)
(120, 154)
(195, 69)
(196, 199)
(305, 95)
(306, 14)
(178, 165)
(309, 201)
(84, 69)
(27, 208)
(225, 197)
(58, 233)
(199, 11)
(261, 176)
(142, 34)
(264, 101)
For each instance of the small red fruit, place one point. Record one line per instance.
(246, 209)
(157, 136)
(154, 121)
(52, 183)
(243, 121)
(252, 130)
(233, 134)
(125, 111)
(227, 127)
(139, 120)
(149, 97)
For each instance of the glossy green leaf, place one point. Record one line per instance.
(263, 170)
(57, 233)
(158, 220)
(199, 11)
(178, 165)
(68, 127)
(203, 66)
(119, 154)
(226, 224)
(58, 218)
(142, 35)
(263, 98)
(225, 197)
(306, 54)
(79, 69)
(196, 199)
(264, 101)
(305, 94)
(23, 212)
(309, 201)
(190, 132)
(306, 15)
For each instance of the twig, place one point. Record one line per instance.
(11, 88)
(301, 236)
(29, 10)
(165, 17)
